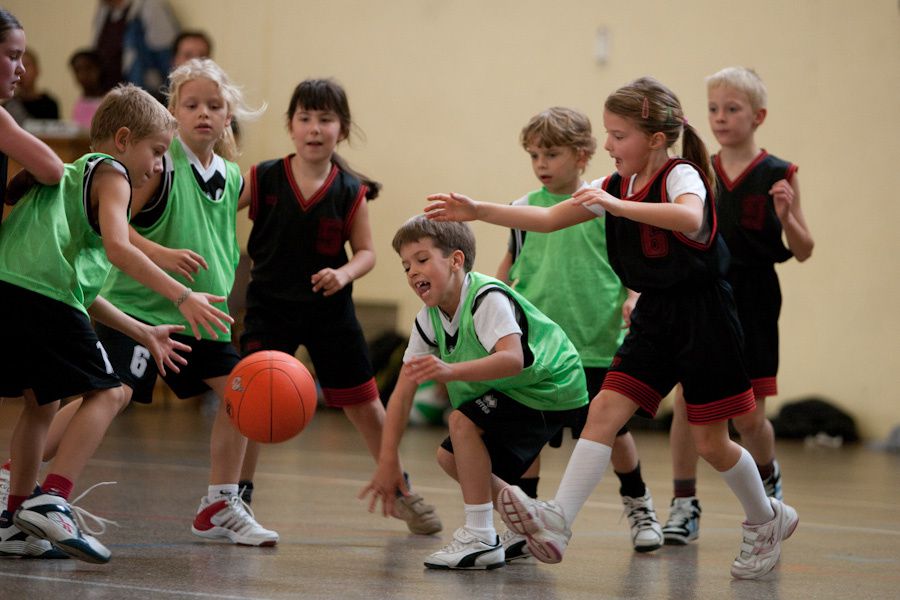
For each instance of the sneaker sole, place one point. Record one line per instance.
(29, 550)
(218, 533)
(71, 547)
(676, 539)
(643, 549)
(439, 567)
(525, 523)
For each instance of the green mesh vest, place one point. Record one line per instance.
(189, 220)
(47, 244)
(566, 274)
(553, 381)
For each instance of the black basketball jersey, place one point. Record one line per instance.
(746, 210)
(295, 237)
(650, 258)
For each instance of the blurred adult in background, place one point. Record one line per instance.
(86, 67)
(190, 44)
(134, 40)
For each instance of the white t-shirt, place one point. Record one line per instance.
(495, 318)
(683, 179)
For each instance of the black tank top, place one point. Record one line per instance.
(650, 258)
(746, 211)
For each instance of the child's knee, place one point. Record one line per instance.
(459, 424)
(446, 461)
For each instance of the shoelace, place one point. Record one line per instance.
(241, 512)
(642, 516)
(82, 515)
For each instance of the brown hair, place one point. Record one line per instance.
(654, 108)
(560, 126)
(446, 235)
(129, 106)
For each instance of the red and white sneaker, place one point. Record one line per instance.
(231, 518)
(542, 523)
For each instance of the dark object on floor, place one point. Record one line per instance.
(811, 416)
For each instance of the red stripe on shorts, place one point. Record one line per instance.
(719, 410)
(360, 394)
(765, 387)
(635, 390)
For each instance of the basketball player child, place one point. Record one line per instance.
(581, 293)
(186, 224)
(758, 208)
(513, 377)
(56, 249)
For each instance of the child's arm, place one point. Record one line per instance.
(786, 196)
(628, 307)
(112, 192)
(504, 267)
(684, 214)
(388, 477)
(505, 360)
(35, 156)
(331, 281)
(184, 261)
(456, 207)
(155, 339)
(246, 193)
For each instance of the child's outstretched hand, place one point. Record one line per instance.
(783, 198)
(185, 262)
(428, 367)
(386, 482)
(588, 196)
(198, 309)
(451, 207)
(330, 281)
(164, 349)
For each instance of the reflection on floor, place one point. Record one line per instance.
(331, 547)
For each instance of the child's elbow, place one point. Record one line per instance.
(50, 173)
(117, 253)
(805, 253)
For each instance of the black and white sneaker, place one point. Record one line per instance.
(16, 543)
(468, 551)
(515, 547)
(683, 525)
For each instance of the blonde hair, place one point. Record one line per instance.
(205, 68)
(129, 106)
(654, 108)
(743, 80)
(447, 236)
(560, 126)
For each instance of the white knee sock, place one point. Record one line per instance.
(743, 479)
(480, 521)
(584, 471)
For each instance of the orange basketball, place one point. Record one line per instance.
(270, 396)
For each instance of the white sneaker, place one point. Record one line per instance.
(15, 542)
(542, 523)
(515, 546)
(683, 525)
(762, 543)
(4, 485)
(646, 534)
(231, 518)
(51, 518)
(467, 551)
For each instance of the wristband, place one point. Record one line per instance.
(184, 296)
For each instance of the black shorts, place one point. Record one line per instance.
(688, 334)
(50, 348)
(334, 339)
(594, 377)
(513, 433)
(757, 296)
(137, 369)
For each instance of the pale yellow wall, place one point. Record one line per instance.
(441, 89)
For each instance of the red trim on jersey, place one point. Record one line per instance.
(254, 193)
(360, 394)
(720, 410)
(305, 204)
(792, 169)
(635, 390)
(710, 200)
(360, 197)
(764, 387)
(730, 185)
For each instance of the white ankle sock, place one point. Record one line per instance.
(743, 479)
(480, 521)
(584, 471)
(218, 492)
